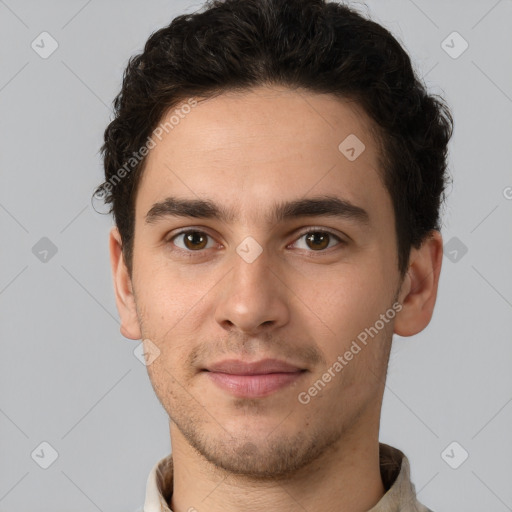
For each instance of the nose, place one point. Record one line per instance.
(253, 298)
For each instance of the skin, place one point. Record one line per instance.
(296, 301)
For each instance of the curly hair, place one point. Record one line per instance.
(314, 45)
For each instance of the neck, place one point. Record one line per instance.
(346, 478)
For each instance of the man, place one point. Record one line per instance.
(275, 171)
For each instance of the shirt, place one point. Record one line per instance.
(400, 493)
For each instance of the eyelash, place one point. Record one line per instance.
(341, 242)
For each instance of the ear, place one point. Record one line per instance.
(123, 288)
(418, 292)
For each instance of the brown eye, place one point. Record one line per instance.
(193, 241)
(318, 240)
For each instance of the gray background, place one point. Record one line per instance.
(69, 378)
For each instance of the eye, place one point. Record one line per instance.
(192, 239)
(315, 240)
(319, 240)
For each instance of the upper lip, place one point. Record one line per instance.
(261, 367)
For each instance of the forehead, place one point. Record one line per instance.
(247, 150)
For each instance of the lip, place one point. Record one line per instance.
(264, 366)
(253, 380)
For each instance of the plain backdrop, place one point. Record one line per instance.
(70, 380)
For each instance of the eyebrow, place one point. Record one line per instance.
(326, 206)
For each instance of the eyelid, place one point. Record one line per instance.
(320, 229)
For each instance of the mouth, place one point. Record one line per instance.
(253, 380)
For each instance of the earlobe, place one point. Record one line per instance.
(419, 287)
(125, 300)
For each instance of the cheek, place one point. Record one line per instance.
(172, 306)
(344, 307)
(164, 294)
(347, 298)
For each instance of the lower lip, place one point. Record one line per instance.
(253, 386)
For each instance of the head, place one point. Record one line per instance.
(294, 142)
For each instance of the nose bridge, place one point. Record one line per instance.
(254, 296)
(252, 267)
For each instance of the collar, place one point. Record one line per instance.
(394, 469)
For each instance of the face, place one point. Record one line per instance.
(298, 284)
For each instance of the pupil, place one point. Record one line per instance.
(323, 238)
(192, 237)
